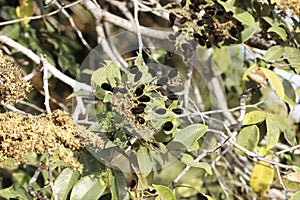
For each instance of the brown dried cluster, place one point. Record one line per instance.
(12, 85)
(54, 133)
(292, 5)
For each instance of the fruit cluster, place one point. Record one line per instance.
(291, 5)
(146, 103)
(206, 22)
(12, 85)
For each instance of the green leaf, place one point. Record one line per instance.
(90, 163)
(275, 81)
(164, 192)
(298, 91)
(189, 160)
(80, 93)
(118, 185)
(247, 33)
(273, 131)
(293, 56)
(185, 138)
(289, 96)
(16, 191)
(262, 177)
(254, 117)
(296, 196)
(65, 181)
(89, 187)
(144, 160)
(248, 137)
(113, 73)
(274, 53)
(98, 77)
(241, 15)
(222, 59)
(288, 134)
(279, 31)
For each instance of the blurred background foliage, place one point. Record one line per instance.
(228, 36)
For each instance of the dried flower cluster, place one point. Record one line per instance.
(292, 5)
(53, 133)
(12, 86)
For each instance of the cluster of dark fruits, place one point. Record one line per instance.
(211, 24)
(141, 98)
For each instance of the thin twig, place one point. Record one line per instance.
(69, 17)
(34, 57)
(39, 16)
(50, 177)
(46, 85)
(101, 14)
(281, 182)
(137, 26)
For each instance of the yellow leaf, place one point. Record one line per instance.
(275, 81)
(25, 10)
(262, 177)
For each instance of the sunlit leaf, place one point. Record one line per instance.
(279, 31)
(293, 56)
(241, 15)
(245, 75)
(248, 137)
(89, 187)
(185, 138)
(16, 191)
(80, 93)
(254, 117)
(273, 131)
(189, 160)
(274, 53)
(296, 196)
(275, 81)
(261, 177)
(164, 193)
(65, 181)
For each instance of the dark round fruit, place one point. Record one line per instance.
(200, 22)
(152, 72)
(172, 73)
(133, 69)
(178, 111)
(144, 98)
(182, 20)
(183, 3)
(132, 184)
(141, 105)
(140, 120)
(173, 96)
(162, 81)
(161, 111)
(178, 33)
(137, 110)
(167, 126)
(162, 91)
(138, 76)
(193, 16)
(172, 37)
(139, 90)
(106, 86)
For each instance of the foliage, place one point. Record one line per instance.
(203, 111)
